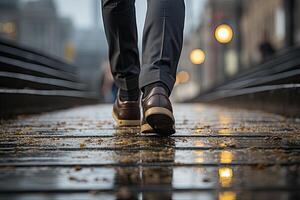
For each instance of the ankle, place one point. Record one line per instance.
(147, 89)
(129, 95)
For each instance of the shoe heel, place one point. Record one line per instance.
(161, 120)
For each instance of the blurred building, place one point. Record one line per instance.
(296, 22)
(36, 24)
(193, 40)
(90, 53)
(42, 28)
(222, 61)
(261, 29)
(9, 19)
(262, 23)
(91, 49)
(39, 25)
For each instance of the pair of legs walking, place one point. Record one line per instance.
(162, 44)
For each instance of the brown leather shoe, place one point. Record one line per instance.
(127, 113)
(158, 112)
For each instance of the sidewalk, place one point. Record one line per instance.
(217, 153)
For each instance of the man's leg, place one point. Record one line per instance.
(162, 42)
(121, 32)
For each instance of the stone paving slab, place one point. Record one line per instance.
(217, 153)
(139, 143)
(151, 157)
(176, 195)
(168, 178)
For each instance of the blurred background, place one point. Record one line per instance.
(223, 38)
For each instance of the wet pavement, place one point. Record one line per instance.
(217, 153)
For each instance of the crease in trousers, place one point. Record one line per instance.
(162, 42)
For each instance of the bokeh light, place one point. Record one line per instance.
(8, 27)
(197, 56)
(224, 33)
(182, 77)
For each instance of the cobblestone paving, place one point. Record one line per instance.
(217, 153)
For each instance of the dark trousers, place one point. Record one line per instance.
(162, 42)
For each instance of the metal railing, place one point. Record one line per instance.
(272, 86)
(32, 82)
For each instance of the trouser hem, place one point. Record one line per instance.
(156, 76)
(128, 84)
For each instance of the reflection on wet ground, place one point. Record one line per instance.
(217, 153)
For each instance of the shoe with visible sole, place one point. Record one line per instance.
(158, 112)
(145, 127)
(127, 113)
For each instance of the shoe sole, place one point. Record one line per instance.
(146, 128)
(125, 123)
(161, 120)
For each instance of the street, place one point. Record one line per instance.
(217, 153)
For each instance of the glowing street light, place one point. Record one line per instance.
(182, 77)
(224, 33)
(197, 56)
(9, 28)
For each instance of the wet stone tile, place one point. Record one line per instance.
(166, 156)
(119, 142)
(123, 193)
(147, 177)
(217, 153)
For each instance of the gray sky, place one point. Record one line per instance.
(78, 10)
